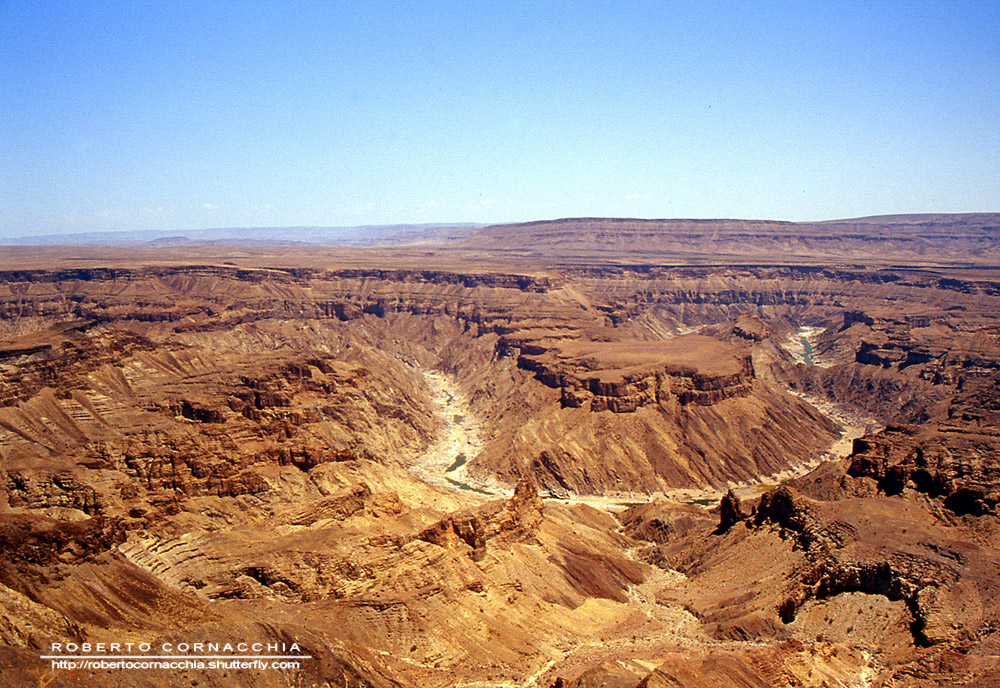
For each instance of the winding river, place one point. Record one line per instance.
(445, 462)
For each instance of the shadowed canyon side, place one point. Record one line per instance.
(576, 472)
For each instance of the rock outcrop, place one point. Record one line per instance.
(517, 519)
(623, 375)
(731, 511)
(955, 465)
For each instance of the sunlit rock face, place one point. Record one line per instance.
(630, 490)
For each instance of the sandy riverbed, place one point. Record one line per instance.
(445, 463)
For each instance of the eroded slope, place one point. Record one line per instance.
(216, 451)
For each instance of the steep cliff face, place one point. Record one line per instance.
(953, 464)
(899, 366)
(621, 376)
(209, 298)
(656, 448)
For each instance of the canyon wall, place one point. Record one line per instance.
(219, 451)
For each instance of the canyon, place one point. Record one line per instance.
(590, 452)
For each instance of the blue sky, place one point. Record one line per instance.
(118, 116)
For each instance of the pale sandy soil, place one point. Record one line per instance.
(460, 436)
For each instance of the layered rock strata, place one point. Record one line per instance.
(621, 376)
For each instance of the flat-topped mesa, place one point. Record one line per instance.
(623, 375)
